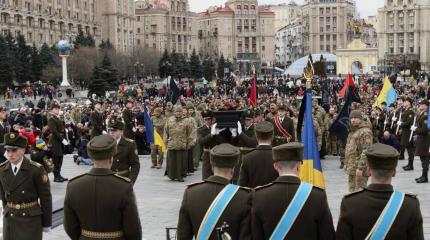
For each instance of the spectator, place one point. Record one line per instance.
(82, 148)
(390, 140)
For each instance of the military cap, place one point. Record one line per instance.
(131, 100)
(189, 105)
(14, 140)
(264, 127)
(101, 147)
(408, 99)
(392, 105)
(98, 101)
(356, 114)
(54, 105)
(224, 156)
(425, 102)
(384, 103)
(116, 124)
(249, 114)
(282, 107)
(273, 105)
(202, 107)
(157, 110)
(381, 156)
(206, 114)
(288, 152)
(178, 108)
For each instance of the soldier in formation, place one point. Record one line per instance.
(57, 138)
(158, 121)
(421, 131)
(405, 124)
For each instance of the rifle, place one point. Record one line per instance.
(399, 122)
(413, 125)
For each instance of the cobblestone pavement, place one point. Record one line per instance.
(159, 199)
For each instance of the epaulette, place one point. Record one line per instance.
(264, 186)
(123, 178)
(246, 189)
(76, 177)
(414, 195)
(350, 194)
(3, 163)
(128, 139)
(195, 184)
(36, 164)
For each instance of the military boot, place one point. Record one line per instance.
(423, 178)
(410, 166)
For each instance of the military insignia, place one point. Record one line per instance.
(369, 140)
(112, 121)
(12, 136)
(45, 178)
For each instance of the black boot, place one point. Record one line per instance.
(341, 165)
(423, 178)
(410, 166)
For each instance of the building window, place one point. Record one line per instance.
(138, 41)
(138, 18)
(138, 30)
(321, 11)
(322, 48)
(321, 38)
(334, 10)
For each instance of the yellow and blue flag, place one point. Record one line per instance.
(388, 94)
(151, 134)
(311, 170)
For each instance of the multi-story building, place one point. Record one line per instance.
(327, 24)
(117, 22)
(285, 13)
(404, 31)
(289, 43)
(166, 25)
(240, 31)
(48, 21)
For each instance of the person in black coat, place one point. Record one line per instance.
(390, 140)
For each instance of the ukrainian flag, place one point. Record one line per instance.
(388, 94)
(311, 170)
(152, 136)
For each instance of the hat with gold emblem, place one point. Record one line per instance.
(288, 152)
(115, 124)
(14, 140)
(101, 147)
(224, 156)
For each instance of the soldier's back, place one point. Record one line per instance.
(360, 211)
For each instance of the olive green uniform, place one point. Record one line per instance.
(126, 160)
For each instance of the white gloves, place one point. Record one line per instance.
(134, 129)
(239, 128)
(104, 132)
(65, 142)
(213, 130)
(233, 132)
(413, 128)
(236, 131)
(394, 119)
(46, 229)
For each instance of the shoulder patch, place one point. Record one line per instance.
(123, 178)
(195, 184)
(264, 186)
(128, 139)
(409, 194)
(35, 164)
(76, 177)
(353, 193)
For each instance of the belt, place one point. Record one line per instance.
(101, 235)
(127, 171)
(22, 205)
(245, 149)
(280, 137)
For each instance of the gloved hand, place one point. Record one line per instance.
(46, 229)
(233, 132)
(214, 130)
(413, 128)
(104, 132)
(134, 129)
(394, 119)
(65, 142)
(239, 128)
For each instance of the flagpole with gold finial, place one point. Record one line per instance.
(308, 73)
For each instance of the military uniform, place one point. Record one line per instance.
(360, 210)
(405, 133)
(333, 140)
(288, 125)
(26, 196)
(57, 132)
(198, 197)
(359, 138)
(126, 160)
(423, 143)
(89, 195)
(192, 140)
(268, 206)
(204, 139)
(127, 116)
(97, 124)
(157, 154)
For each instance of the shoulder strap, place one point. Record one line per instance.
(215, 210)
(281, 129)
(292, 211)
(387, 217)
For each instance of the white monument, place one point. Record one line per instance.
(64, 48)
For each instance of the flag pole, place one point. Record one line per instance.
(308, 73)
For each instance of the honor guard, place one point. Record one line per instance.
(379, 211)
(406, 122)
(101, 204)
(422, 143)
(271, 211)
(96, 120)
(57, 138)
(25, 192)
(125, 161)
(207, 205)
(129, 119)
(204, 139)
(283, 127)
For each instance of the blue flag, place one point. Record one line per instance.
(149, 133)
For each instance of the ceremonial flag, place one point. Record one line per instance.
(340, 127)
(388, 94)
(325, 95)
(301, 117)
(174, 92)
(253, 92)
(151, 134)
(311, 170)
(349, 82)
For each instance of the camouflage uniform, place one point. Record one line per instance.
(332, 141)
(192, 140)
(157, 154)
(359, 139)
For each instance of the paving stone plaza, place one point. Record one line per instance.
(159, 199)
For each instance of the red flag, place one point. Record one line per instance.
(253, 92)
(348, 83)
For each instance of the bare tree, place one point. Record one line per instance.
(81, 64)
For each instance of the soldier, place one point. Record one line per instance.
(129, 121)
(257, 166)
(176, 136)
(360, 212)
(25, 192)
(423, 139)
(314, 220)
(156, 152)
(283, 127)
(359, 138)
(56, 140)
(333, 141)
(272, 114)
(169, 110)
(204, 139)
(198, 198)
(395, 120)
(126, 160)
(249, 124)
(407, 121)
(101, 204)
(96, 120)
(189, 114)
(3, 128)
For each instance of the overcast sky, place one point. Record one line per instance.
(365, 7)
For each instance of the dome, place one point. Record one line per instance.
(63, 46)
(296, 68)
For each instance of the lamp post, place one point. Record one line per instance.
(64, 48)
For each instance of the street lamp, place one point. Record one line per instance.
(136, 68)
